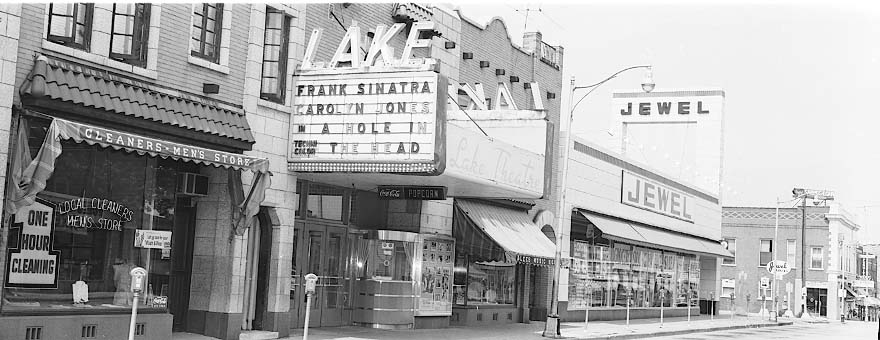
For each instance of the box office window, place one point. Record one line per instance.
(113, 211)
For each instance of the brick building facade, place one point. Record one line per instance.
(830, 255)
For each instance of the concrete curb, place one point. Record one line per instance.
(680, 332)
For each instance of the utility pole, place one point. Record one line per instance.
(803, 253)
(803, 195)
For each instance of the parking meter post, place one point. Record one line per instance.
(311, 281)
(711, 305)
(661, 307)
(688, 303)
(137, 286)
(587, 310)
(628, 302)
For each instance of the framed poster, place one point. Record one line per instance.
(434, 280)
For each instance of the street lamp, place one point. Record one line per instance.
(551, 328)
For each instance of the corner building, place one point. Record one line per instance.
(822, 283)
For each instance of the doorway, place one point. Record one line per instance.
(320, 249)
(181, 263)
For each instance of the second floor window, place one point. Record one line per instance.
(275, 45)
(129, 34)
(791, 253)
(766, 254)
(816, 257)
(207, 29)
(731, 246)
(70, 24)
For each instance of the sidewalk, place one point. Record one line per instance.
(642, 328)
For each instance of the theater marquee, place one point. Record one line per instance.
(368, 122)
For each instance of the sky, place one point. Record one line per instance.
(801, 81)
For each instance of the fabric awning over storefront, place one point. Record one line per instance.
(94, 135)
(625, 231)
(29, 175)
(495, 232)
(871, 301)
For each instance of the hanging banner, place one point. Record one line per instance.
(33, 263)
(435, 282)
(157, 147)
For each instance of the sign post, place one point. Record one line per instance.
(311, 280)
(137, 286)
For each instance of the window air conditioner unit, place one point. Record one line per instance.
(192, 184)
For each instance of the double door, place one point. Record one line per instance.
(320, 249)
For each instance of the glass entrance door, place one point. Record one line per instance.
(320, 249)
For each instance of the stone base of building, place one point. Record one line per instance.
(427, 322)
(484, 315)
(225, 326)
(617, 313)
(98, 326)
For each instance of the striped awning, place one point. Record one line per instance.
(493, 232)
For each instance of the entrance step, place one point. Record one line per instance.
(257, 335)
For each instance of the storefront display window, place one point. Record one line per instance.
(113, 211)
(608, 276)
(491, 283)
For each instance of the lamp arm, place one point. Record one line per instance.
(593, 87)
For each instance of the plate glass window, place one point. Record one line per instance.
(766, 252)
(70, 24)
(207, 28)
(731, 246)
(275, 45)
(816, 256)
(131, 28)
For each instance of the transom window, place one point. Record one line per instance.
(128, 38)
(207, 29)
(275, 45)
(70, 24)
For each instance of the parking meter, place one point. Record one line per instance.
(137, 279)
(137, 287)
(311, 280)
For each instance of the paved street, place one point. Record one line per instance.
(800, 331)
